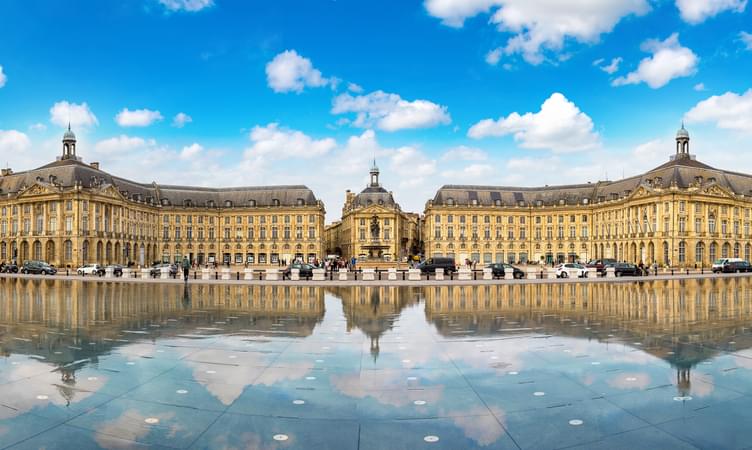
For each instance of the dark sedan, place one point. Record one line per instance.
(626, 270)
(736, 267)
(306, 270)
(499, 269)
(117, 269)
(38, 268)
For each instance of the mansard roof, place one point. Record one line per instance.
(680, 172)
(68, 173)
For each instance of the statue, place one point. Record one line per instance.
(375, 229)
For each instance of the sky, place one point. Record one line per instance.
(488, 92)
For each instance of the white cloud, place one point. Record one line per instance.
(746, 38)
(464, 153)
(77, 115)
(699, 87)
(275, 142)
(191, 151)
(12, 141)
(3, 78)
(137, 118)
(538, 26)
(729, 111)
(38, 127)
(121, 144)
(494, 56)
(696, 11)
(389, 112)
(290, 72)
(474, 173)
(186, 5)
(669, 60)
(356, 88)
(559, 126)
(181, 119)
(610, 68)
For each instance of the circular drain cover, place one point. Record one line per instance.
(431, 439)
(280, 437)
(575, 422)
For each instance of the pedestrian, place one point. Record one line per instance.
(186, 268)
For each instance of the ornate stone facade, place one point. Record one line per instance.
(71, 213)
(373, 226)
(683, 213)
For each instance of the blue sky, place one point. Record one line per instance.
(521, 92)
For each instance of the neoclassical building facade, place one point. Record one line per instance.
(683, 213)
(373, 226)
(70, 213)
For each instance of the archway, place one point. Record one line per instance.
(49, 254)
(100, 252)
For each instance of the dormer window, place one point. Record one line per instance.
(562, 202)
(210, 204)
(711, 180)
(275, 202)
(381, 202)
(450, 201)
(539, 203)
(521, 203)
(658, 181)
(301, 202)
(627, 192)
(585, 201)
(228, 203)
(165, 202)
(497, 202)
(187, 203)
(474, 202)
(252, 203)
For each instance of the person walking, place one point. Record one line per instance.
(186, 268)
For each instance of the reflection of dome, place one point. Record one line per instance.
(682, 133)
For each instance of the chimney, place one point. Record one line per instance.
(95, 165)
(6, 172)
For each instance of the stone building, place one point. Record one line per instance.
(682, 213)
(71, 213)
(373, 226)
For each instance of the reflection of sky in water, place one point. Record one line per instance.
(512, 366)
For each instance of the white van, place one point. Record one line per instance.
(719, 263)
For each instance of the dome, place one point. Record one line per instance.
(69, 135)
(682, 133)
(374, 196)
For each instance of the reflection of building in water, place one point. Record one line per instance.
(667, 317)
(69, 324)
(374, 310)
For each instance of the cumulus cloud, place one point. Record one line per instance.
(538, 26)
(186, 5)
(472, 173)
(191, 151)
(275, 142)
(494, 56)
(137, 118)
(559, 126)
(290, 72)
(464, 153)
(729, 111)
(696, 11)
(699, 87)
(669, 60)
(3, 78)
(610, 68)
(352, 87)
(77, 115)
(122, 144)
(746, 38)
(181, 119)
(389, 112)
(12, 141)
(38, 127)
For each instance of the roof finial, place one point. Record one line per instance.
(69, 125)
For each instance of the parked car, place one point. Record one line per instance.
(38, 268)
(9, 268)
(736, 267)
(499, 269)
(90, 269)
(431, 265)
(600, 264)
(156, 269)
(306, 270)
(719, 263)
(571, 270)
(117, 269)
(626, 269)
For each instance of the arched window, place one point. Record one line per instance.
(275, 202)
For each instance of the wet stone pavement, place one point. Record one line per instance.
(660, 365)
